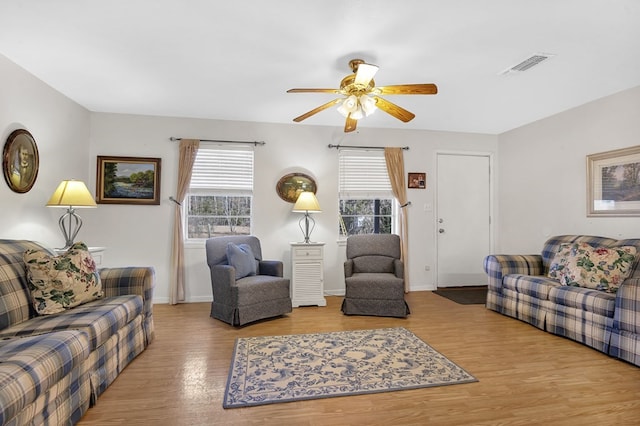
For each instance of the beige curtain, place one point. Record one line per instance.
(188, 151)
(395, 168)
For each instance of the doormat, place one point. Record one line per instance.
(476, 295)
(273, 369)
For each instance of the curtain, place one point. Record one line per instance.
(188, 150)
(395, 167)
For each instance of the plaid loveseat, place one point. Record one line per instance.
(54, 367)
(520, 287)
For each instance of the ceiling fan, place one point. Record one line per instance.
(361, 96)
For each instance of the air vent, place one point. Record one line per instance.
(528, 63)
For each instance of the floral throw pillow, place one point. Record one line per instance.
(560, 260)
(598, 268)
(61, 282)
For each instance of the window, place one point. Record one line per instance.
(220, 194)
(367, 204)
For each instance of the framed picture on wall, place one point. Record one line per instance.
(417, 180)
(291, 185)
(613, 183)
(128, 180)
(20, 161)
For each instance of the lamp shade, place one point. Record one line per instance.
(72, 193)
(306, 202)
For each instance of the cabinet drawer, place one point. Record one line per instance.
(304, 252)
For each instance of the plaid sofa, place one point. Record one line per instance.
(54, 367)
(609, 322)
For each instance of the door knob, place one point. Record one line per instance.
(441, 231)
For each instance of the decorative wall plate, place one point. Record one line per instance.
(20, 161)
(291, 185)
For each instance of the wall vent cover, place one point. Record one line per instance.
(528, 63)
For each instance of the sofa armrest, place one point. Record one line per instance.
(139, 280)
(627, 308)
(398, 268)
(222, 278)
(274, 268)
(348, 268)
(129, 280)
(498, 265)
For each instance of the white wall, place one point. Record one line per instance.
(542, 184)
(69, 138)
(541, 178)
(60, 128)
(142, 234)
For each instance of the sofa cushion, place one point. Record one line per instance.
(598, 302)
(598, 268)
(373, 264)
(100, 319)
(30, 366)
(531, 285)
(255, 289)
(241, 257)
(61, 282)
(381, 286)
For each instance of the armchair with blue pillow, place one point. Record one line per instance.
(245, 287)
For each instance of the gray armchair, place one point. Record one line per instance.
(241, 300)
(374, 276)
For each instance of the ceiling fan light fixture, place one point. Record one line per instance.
(368, 104)
(348, 106)
(357, 114)
(361, 97)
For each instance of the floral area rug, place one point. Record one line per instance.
(271, 369)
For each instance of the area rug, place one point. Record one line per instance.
(476, 295)
(272, 369)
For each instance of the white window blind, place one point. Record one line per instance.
(222, 169)
(363, 174)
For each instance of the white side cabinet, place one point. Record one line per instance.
(307, 276)
(96, 252)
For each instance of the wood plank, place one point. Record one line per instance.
(526, 376)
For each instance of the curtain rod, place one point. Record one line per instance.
(174, 139)
(361, 147)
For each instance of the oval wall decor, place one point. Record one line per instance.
(20, 161)
(291, 185)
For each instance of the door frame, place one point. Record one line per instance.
(492, 215)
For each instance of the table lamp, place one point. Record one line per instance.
(71, 194)
(306, 203)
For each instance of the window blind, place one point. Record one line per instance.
(363, 174)
(222, 169)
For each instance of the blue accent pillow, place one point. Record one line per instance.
(241, 257)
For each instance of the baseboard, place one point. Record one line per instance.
(197, 299)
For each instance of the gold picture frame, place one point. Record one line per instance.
(20, 161)
(291, 185)
(613, 183)
(128, 180)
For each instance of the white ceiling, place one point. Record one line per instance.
(234, 60)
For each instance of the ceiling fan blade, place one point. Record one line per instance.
(393, 109)
(407, 89)
(365, 74)
(350, 124)
(313, 91)
(317, 110)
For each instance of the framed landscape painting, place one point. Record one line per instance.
(613, 183)
(128, 180)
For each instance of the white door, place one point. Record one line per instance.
(463, 228)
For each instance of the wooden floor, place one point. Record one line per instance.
(526, 376)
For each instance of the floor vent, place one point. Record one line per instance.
(528, 63)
